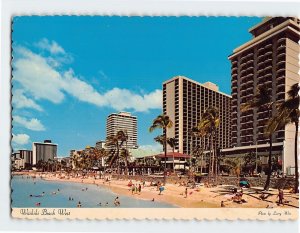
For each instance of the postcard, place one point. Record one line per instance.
(155, 117)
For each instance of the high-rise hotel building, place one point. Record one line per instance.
(184, 101)
(271, 59)
(126, 122)
(43, 151)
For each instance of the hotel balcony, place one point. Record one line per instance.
(281, 40)
(281, 90)
(281, 54)
(268, 60)
(261, 56)
(243, 59)
(243, 64)
(280, 97)
(281, 84)
(268, 46)
(261, 49)
(234, 62)
(280, 69)
(280, 47)
(268, 67)
(250, 54)
(268, 53)
(281, 62)
(243, 76)
(250, 61)
(261, 63)
(280, 77)
(250, 68)
(233, 69)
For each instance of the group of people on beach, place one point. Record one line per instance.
(135, 188)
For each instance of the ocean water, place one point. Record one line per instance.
(22, 188)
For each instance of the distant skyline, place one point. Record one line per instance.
(71, 72)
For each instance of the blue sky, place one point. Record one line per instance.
(70, 72)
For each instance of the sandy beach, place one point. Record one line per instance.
(196, 198)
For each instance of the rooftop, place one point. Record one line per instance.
(208, 85)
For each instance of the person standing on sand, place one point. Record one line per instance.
(140, 188)
(222, 204)
(186, 192)
(132, 189)
(280, 197)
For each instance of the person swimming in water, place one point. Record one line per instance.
(106, 204)
(117, 202)
(79, 204)
(100, 204)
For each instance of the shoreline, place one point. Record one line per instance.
(175, 195)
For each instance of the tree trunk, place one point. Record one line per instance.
(165, 148)
(202, 152)
(210, 169)
(118, 161)
(267, 185)
(216, 167)
(213, 156)
(173, 161)
(126, 162)
(296, 159)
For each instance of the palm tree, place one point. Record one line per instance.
(123, 137)
(172, 142)
(162, 122)
(235, 165)
(116, 142)
(288, 112)
(99, 154)
(200, 132)
(209, 123)
(124, 154)
(263, 100)
(75, 161)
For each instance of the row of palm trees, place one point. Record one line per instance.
(88, 158)
(207, 127)
(51, 165)
(286, 112)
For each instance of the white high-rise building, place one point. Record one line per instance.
(43, 151)
(126, 122)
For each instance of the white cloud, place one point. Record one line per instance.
(20, 139)
(52, 46)
(21, 101)
(39, 76)
(121, 99)
(32, 124)
(155, 147)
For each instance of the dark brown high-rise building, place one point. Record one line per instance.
(271, 59)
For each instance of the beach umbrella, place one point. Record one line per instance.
(161, 188)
